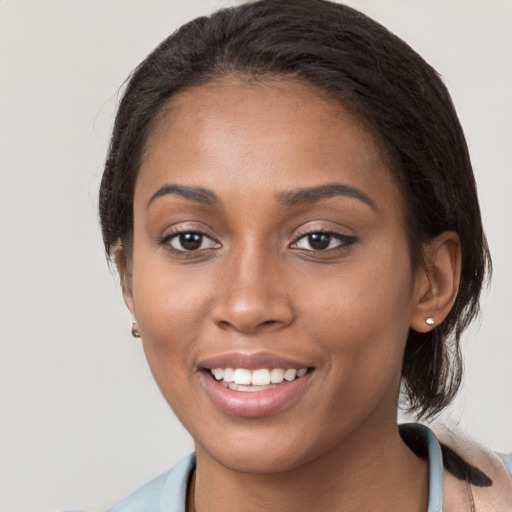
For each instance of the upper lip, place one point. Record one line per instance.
(252, 361)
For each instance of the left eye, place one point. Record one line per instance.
(191, 241)
(320, 241)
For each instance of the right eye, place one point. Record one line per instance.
(189, 241)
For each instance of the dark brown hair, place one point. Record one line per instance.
(374, 74)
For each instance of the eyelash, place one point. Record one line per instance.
(167, 240)
(345, 241)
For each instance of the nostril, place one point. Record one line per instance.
(223, 324)
(269, 324)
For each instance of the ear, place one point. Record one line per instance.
(123, 262)
(437, 281)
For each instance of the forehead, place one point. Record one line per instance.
(280, 133)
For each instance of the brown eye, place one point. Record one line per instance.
(323, 241)
(319, 241)
(191, 241)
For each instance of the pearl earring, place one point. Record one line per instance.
(430, 321)
(135, 331)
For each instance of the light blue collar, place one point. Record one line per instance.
(435, 465)
(174, 491)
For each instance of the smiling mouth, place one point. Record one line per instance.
(262, 379)
(254, 385)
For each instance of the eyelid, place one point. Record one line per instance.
(183, 228)
(345, 240)
(204, 237)
(310, 228)
(331, 235)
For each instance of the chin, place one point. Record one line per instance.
(255, 460)
(261, 449)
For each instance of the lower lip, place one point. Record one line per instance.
(253, 404)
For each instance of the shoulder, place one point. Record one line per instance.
(475, 471)
(165, 492)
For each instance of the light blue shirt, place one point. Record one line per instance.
(168, 492)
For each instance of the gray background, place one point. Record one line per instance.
(82, 423)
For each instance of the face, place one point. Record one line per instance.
(270, 275)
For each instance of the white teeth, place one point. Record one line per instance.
(277, 376)
(290, 374)
(229, 374)
(262, 378)
(242, 376)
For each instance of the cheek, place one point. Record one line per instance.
(363, 369)
(169, 303)
(362, 320)
(171, 308)
(363, 297)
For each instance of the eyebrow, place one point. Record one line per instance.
(198, 194)
(307, 196)
(299, 197)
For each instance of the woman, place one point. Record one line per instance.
(290, 204)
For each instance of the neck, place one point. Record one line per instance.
(365, 472)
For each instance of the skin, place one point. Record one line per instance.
(257, 285)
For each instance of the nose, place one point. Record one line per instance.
(252, 295)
